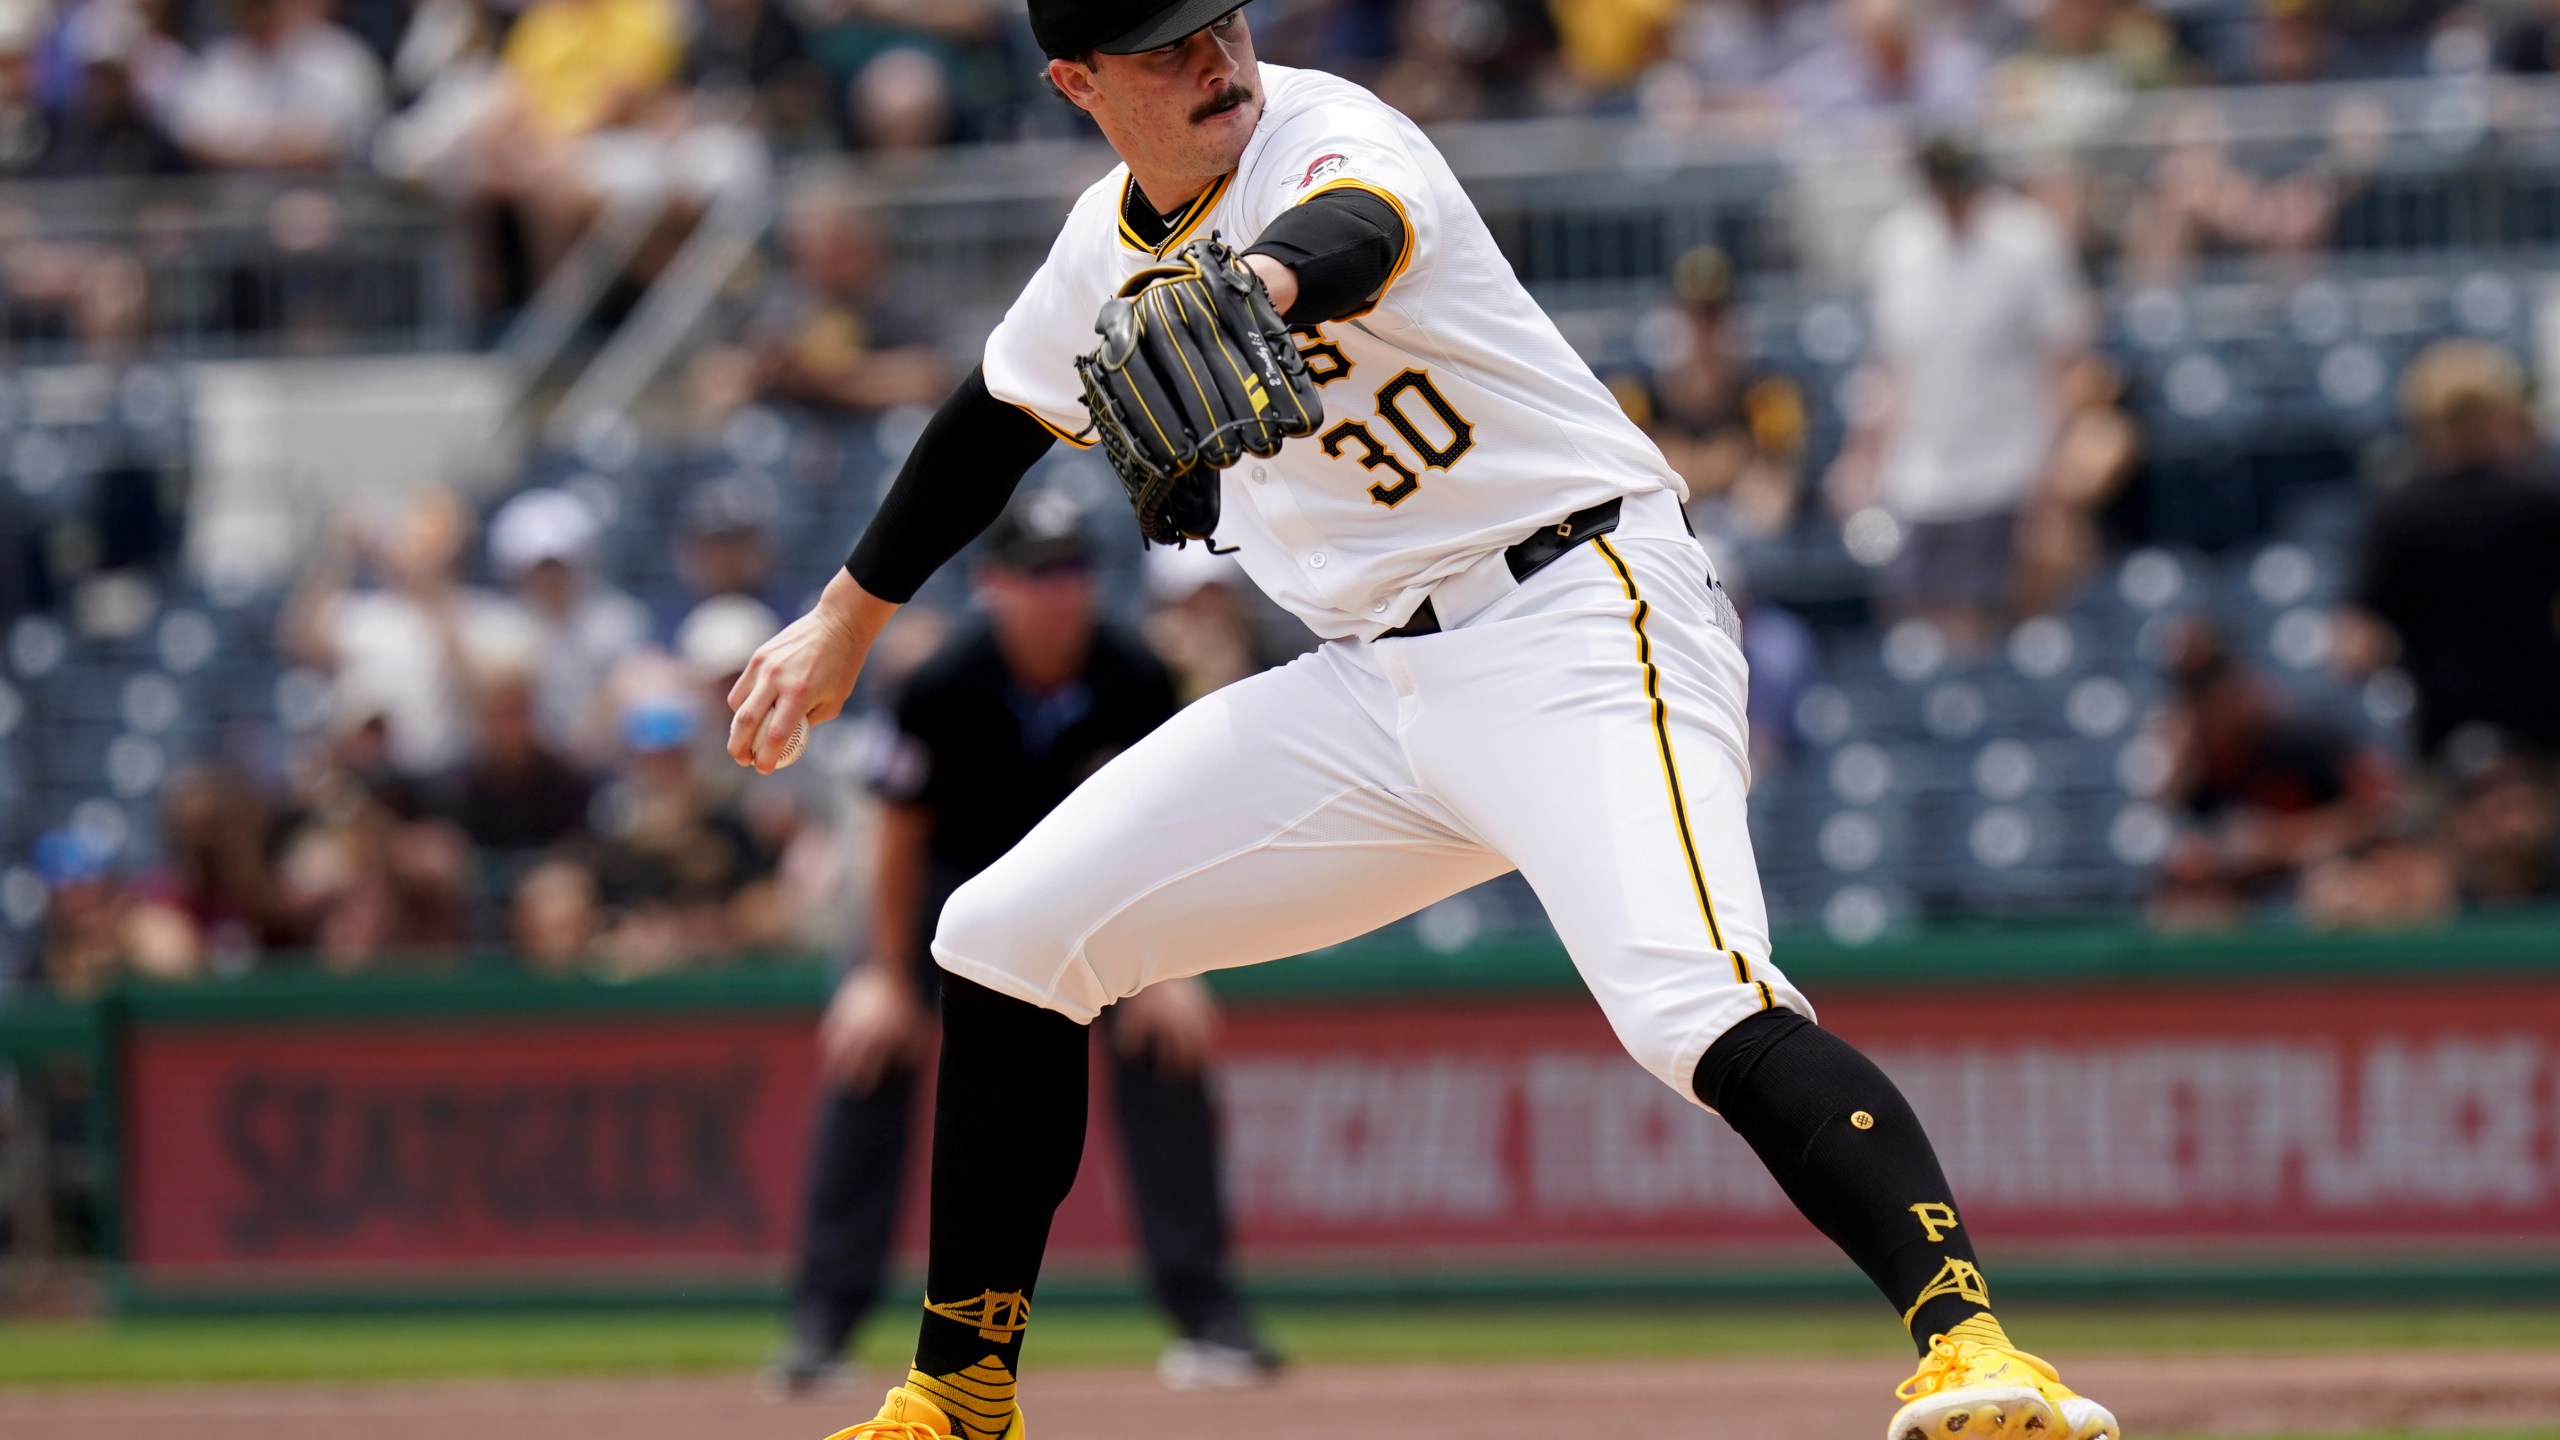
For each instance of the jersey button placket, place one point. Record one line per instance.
(1260, 474)
(1281, 515)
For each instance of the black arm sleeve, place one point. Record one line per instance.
(954, 484)
(1344, 245)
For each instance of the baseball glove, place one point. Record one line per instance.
(1195, 371)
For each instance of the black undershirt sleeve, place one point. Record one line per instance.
(1343, 244)
(954, 484)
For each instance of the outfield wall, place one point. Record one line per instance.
(2116, 1113)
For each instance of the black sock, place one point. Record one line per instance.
(1846, 1148)
(1008, 1130)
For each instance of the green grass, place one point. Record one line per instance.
(356, 1348)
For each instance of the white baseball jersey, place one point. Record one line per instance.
(1583, 726)
(1457, 420)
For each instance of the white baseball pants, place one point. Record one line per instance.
(1586, 728)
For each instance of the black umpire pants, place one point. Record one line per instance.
(858, 1172)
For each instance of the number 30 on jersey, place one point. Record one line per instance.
(1411, 406)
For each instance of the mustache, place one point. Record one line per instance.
(1232, 95)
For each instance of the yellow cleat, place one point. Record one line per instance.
(1965, 1390)
(906, 1415)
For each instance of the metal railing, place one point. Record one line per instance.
(227, 266)
(1596, 212)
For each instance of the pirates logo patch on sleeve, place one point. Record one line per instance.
(1323, 167)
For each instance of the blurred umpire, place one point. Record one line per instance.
(988, 735)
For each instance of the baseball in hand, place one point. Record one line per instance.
(793, 743)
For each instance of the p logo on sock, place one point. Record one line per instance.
(1935, 1218)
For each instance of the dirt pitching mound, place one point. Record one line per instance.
(2158, 1397)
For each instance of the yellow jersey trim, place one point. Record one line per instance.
(1403, 257)
(1671, 771)
(1052, 429)
(1182, 224)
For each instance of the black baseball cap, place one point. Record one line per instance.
(1950, 162)
(1042, 531)
(1067, 28)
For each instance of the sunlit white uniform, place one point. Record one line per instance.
(1315, 802)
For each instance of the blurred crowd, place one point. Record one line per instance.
(1985, 480)
(572, 101)
(532, 762)
(521, 755)
(530, 118)
(535, 767)
(2457, 589)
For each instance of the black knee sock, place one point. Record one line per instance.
(1008, 1129)
(1849, 1152)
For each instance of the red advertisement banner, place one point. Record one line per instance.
(1371, 1133)
(466, 1142)
(2221, 1113)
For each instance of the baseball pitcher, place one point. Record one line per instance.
(1293, 337)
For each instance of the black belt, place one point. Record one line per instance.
(1527, 558)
